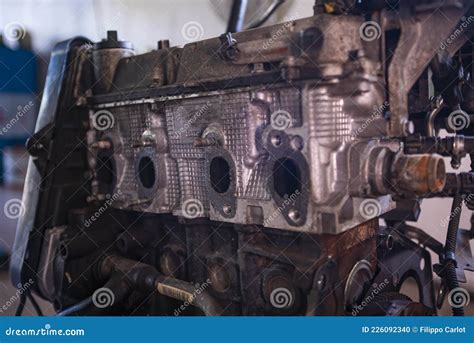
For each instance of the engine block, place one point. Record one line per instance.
(279, 154)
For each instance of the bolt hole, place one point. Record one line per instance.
(227, 209)
(297, 143)
(276, 141)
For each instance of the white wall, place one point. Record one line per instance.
(142, 22)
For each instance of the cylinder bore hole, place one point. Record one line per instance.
(220, 174)
(286, 177)
(146, 172)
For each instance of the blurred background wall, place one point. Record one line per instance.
(143, 22)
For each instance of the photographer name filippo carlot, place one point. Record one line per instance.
(446, 329)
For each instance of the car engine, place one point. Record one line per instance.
(269, 171)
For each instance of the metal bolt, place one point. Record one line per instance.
(227, 209)
(294, 215)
